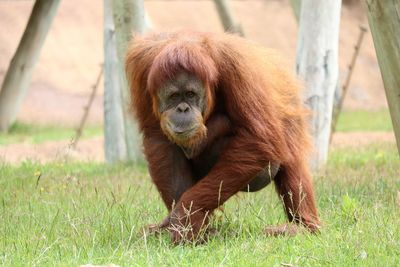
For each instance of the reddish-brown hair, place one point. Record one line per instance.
(261, 96)
(255, 91)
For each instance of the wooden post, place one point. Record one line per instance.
(122, 139)
(227, 18)
(19, 73)
(384, 22)
(339, 94)
(129, 17)
(114, 130)
(317, 64)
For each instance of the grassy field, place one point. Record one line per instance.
(70, 214)
(362, 120)
(349, 121)
(34, 134)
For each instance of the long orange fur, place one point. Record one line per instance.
(261, 99)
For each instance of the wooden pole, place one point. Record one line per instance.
(114, 129)
(317, 65)
(122, 138)
(384, 22)
(338, 96)
(227, 18)
(129, 17)
(19, 73)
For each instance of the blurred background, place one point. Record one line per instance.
(73, 52)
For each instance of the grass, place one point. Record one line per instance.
(349, 121)
(78, 213)
(363, 120)
(36, 134)
(70, 213)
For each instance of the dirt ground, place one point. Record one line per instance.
(93, 149)
(59, 151)
(72, 54)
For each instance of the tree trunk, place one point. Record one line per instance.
(114, 128)
(384, 21)
(317, 64)
(339, 95)
(19, 73)
(129, 17)
(227, 18)
(122, 138)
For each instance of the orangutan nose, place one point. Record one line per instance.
(182, 108)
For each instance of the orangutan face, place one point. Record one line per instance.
(181, 103)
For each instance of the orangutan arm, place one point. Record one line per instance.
(218, 126)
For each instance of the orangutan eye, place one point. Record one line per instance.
(190, 94)
(174, 96)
